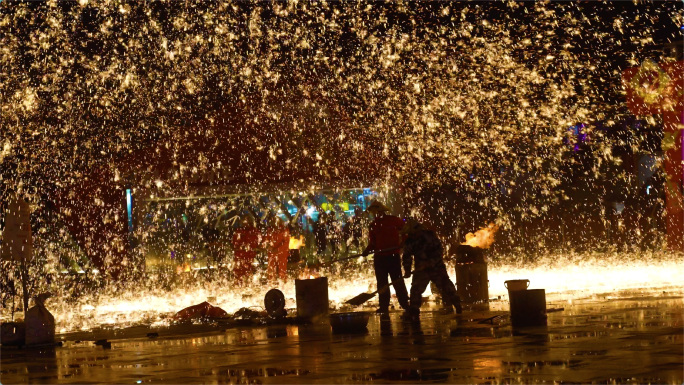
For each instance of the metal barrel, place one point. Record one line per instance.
(312, 297)
(472, 283)
(528, 307)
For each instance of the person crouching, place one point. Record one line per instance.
(423, 246)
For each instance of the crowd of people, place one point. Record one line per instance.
(388, 237)
(277, 245)
(281, 244)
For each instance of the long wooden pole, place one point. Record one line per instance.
(24, 284)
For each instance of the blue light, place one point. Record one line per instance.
(129, 209)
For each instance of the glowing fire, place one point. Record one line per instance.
(296, 243)
(184, 268)
(482, 238)
(309, 273)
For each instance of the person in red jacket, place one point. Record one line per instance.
(246, 241)
(278, 243)
(385, 243)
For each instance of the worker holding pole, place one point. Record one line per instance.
(385, 243)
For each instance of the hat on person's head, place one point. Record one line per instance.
(377, 207)
(411, 225)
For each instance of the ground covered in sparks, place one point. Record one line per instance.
(624, 337)
(569, 277)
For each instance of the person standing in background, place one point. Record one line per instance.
(246, 242)
(278, 246)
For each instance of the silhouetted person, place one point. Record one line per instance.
(320, 232)
(352, 230)
(385, 242)
(424, 247)
(333, 231)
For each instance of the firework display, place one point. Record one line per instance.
(142, 134)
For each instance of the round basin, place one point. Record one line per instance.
(350, 322)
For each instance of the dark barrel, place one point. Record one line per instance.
(528, 307)
(472, 283)
(312, 297)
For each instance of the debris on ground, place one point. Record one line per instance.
(40, 325)
(202, 311)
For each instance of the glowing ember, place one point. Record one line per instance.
(296, 243)
(482, 238)
(309, 273)
(581, 275)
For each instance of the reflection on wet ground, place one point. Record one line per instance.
(603, 340)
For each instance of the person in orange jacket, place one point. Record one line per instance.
(278, 243)
(385, 243)
(246, 242)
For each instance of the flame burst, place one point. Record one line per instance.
(482, 238)
(296, 243)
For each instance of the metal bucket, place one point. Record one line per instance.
(312, 297)
(528, 307)
(517, 284)
(472, 283)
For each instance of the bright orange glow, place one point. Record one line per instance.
(482, 238)
(296, 243)
(566, 277)
(309, 273)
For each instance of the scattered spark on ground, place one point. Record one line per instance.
(564, 277)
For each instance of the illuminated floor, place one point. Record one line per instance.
(633, 338)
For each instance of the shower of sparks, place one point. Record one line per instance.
(564, 277)
(440, 90)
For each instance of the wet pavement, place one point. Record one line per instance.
(628, 338)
